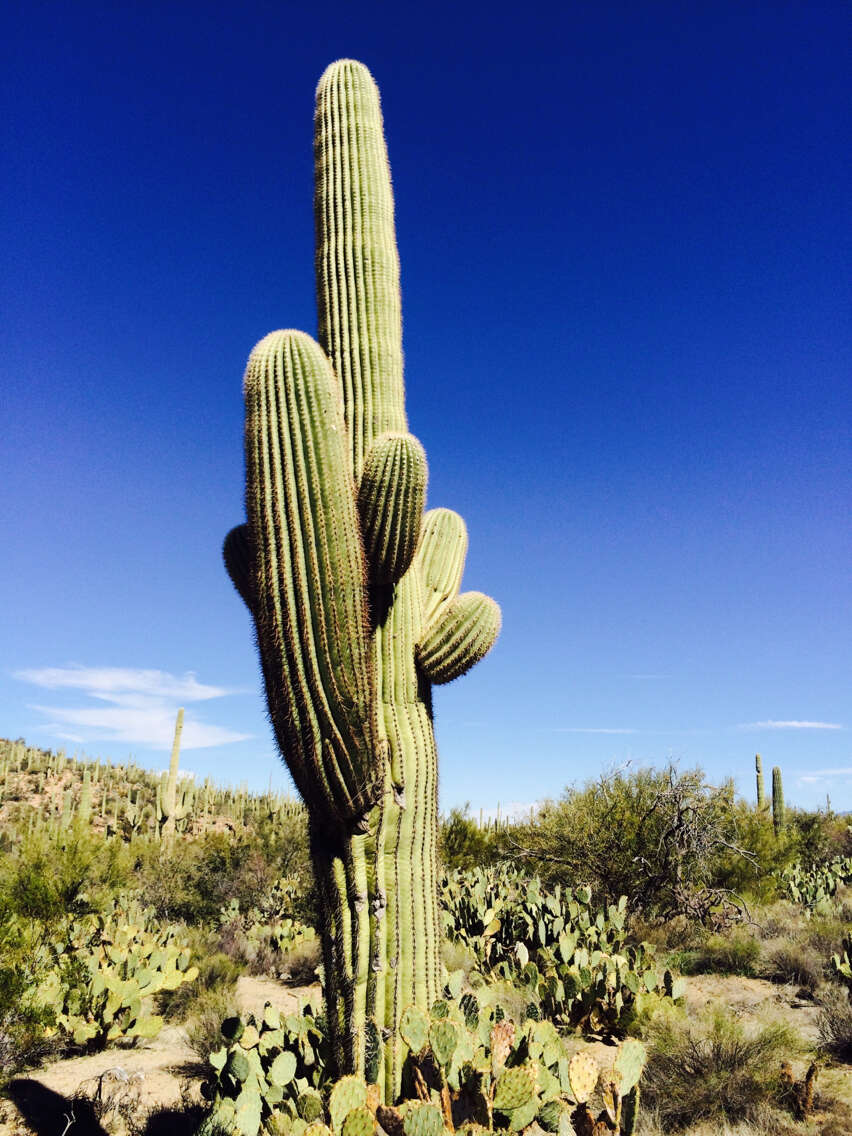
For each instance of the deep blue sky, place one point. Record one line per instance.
(624, 233)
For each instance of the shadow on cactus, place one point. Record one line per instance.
(354, 592)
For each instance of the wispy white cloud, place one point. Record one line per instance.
(141, 706)
(120, 684)
(591, 730)
(793, 724)
(843, 771)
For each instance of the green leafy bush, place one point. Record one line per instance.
(656, 836)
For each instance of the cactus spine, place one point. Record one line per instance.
(354, 593)
(758, 771)
(777, 801)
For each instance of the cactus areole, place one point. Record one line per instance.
(354, 591)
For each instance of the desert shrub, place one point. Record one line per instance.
(655, 836)
(24, 1025)
(734, 953)
(193, 879)
(795, 962)
(714, 1072)
(463, 844)
(55, 872)
(216, 972)
(834, 1023)
(203, 1029)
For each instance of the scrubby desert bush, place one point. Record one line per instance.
(714, 1072)
(656, 836)
(463, 844)
(737, 952)
(791, 961)
(834, 1023)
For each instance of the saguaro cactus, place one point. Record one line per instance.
(777, 801)
(355, 594)
(167, 807)
(758, 772)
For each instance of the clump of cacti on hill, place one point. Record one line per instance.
(355, 593)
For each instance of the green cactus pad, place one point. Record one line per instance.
(247, 1112)
(443, 1039)
(423, 1120)
(359, 1122)
(283, 1069)
(310, 1106)
(348, 1093)
(515, 1087)
(629, 1063)
(414, 1028)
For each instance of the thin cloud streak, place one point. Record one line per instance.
(793, 724)
(589, 730)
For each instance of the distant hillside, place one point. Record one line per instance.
(40, 788)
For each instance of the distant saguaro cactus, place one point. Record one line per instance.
(355, 594)
(777, 801)
(761, 796)
(167, 807)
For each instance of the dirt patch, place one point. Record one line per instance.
(754, 998)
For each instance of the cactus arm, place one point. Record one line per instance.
(239, 562)
(440, 556)
(390, 501)
(357, 263)
(311, 611)
(465, 632)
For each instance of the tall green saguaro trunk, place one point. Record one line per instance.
(355, 594)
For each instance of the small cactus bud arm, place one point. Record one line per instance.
(311, 613)
(239, 562)
(390, 500)
(443, 547)
(357, 264)
(464, 633)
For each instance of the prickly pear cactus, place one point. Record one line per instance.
(354, 593)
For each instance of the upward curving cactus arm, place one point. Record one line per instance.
(311, 608)
(355, 595)
(390, 500)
